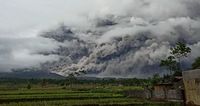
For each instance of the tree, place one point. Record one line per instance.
(173, 62)
(196, 64)
(155, 79)
(28, 86)
(44, 83)
(72, 79)
(170, 63)
(180, 51)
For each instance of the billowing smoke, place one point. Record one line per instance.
(133, 36)
(122, 38)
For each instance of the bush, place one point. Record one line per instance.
(28, 86)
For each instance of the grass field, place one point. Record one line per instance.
(74, 95)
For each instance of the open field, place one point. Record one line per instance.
(74, 95)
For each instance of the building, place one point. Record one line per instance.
(167, 91)
(191, 81)
(159, 92)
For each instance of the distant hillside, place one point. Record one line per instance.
(30, 75)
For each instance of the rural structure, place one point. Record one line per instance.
(191, 81)
(159, 92)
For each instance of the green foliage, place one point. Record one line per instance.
(44, 83)
(71, 78)
(28, 86)
(155, 79)
(166, 78)
(196, 64)
(66, 82)
(170, 63)
(98, 92)
(180, 50)
(89, 95)
(95, 102)
(173, 62)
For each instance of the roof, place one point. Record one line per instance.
(179, 77)
(164, 84)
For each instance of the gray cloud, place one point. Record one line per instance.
(124, 38)
(143, 33)
(22, 52)
(21, 23)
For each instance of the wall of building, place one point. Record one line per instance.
(159, 92)
(156, 94)
(192, 86)
(175, 94)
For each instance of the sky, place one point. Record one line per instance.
(162, 22)
(22, 20)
